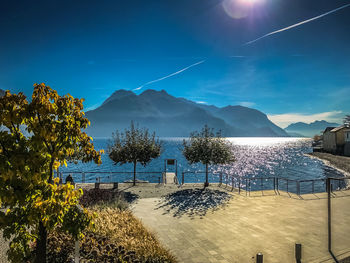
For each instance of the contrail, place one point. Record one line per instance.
(170, 75)
(297, 24)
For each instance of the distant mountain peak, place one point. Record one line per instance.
(118, 94)
(152, 92)
(171, 116)
(310, 129)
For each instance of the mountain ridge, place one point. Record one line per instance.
(309, 129)
(171, 116)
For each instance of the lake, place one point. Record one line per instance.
(255, 157)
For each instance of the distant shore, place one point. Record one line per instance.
(340, 163)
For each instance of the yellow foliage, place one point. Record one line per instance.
(53, 125)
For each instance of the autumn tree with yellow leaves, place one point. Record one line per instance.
(36, 137)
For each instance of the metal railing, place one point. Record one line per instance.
(113, 177)
(275, 183)
(247, 184)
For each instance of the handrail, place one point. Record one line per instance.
(105, 172)
(290, 185)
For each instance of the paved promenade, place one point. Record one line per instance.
(217, 226)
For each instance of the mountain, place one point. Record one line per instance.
(171, 116)
(309, 130)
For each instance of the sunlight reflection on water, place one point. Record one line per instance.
(255, 157)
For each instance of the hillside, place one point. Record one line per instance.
(309, 130)
(171, 116)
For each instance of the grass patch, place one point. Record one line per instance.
(118, 235)
(130, 233)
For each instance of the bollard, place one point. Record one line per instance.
(298, 253)
(259, 258)
(76, 252)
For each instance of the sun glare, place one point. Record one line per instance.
(249, 1)
(238, 9)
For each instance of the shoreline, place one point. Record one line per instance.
(333, 161)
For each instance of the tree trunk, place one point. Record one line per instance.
(40, 250)
(134, 173)
(206, 184)
(50, 181)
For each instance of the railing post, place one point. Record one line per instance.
(262, 184)
(183, 177)
(239, 185)
(298, 187)
(313, 186)
(226, 179)
(232, 183)
(277, 184)
(220, 178)
(287, 186)
(249, 186)
(274, 184)
(246, 187)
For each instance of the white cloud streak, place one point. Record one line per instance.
(283, 120)
(170, 75)
(201, 102)
(298, 24)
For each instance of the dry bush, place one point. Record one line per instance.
(118, 237)
(60, 248)
(107, 198)
(129, 232)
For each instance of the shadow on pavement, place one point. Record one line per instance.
(96, 196)
(193, 202)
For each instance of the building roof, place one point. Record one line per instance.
(329, 129)
(338, 128)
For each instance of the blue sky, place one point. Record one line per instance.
(92, 48)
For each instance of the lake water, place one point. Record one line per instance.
(255, 157)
